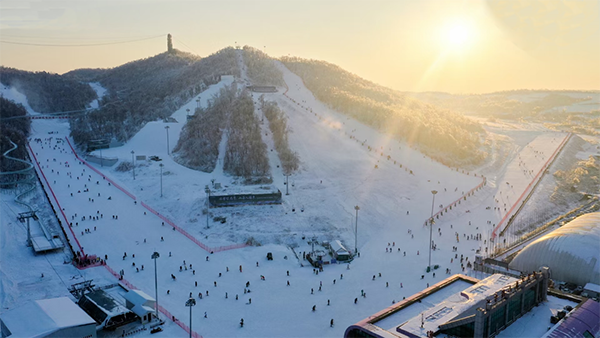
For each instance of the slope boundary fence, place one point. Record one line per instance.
(31, 152)
(531, 186)
(165, 219)
(443, 209)
(456, 202)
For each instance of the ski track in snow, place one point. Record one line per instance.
(100, 91)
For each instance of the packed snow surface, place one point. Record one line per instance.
(337, 173)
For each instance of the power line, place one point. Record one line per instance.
(116, 38)
(188, 47)
(78, 45)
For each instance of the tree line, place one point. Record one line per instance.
(48, 92)
(146, 90)
(14, 129)
(233, 114)
(441, 134)
(261, 68)
(246, 154)
(278, 125)
(198, 144)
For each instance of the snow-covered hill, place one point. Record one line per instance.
(338, 172)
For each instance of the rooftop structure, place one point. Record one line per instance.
(479, 310)
(583, 321)
(141, 304)
(107, 308)
(339, 251)
(57, 317)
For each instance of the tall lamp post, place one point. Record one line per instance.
(168, 148)
(161, 167)
(356, 231)
(133, 163)
(207, 191)
(155, 255)
(433, 192)
(190, 302)
(287, 184)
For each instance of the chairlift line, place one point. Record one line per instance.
(59, 114)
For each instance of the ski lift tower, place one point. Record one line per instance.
(312, 242)
(26, 216)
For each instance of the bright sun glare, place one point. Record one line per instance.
(458, 35)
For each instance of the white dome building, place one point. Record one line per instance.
(572, 252)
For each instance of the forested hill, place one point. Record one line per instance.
(47, 92)
(15, 130)
(443, 135)
(147, 90)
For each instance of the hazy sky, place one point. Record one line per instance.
(416, 45)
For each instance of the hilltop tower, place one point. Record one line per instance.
(169, 44)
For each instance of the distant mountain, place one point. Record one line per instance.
(47, 92)
(507, 104)
(145, 90)
(441, 134)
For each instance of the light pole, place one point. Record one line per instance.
(433, 192)
(155, 255)
(133, 163)
(356, 231)
(287, 184)
(161, 166)
(190, 302)
(168, 148)
(207, 191)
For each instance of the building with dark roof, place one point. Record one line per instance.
(582, 322)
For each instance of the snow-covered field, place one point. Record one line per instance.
(337, 173)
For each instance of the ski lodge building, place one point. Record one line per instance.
(462, 306)
(339, 252)
(56, 317)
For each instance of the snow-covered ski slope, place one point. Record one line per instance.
(337, 173)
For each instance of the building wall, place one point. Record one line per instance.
(4, 331)
(84, 331)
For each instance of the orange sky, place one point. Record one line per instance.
(451, 46)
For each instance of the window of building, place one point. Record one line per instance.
(587, 334)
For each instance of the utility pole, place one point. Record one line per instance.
(356, 231)
(161, 168)
(190, 302)
(207, 191)
(168, 148)
(433, 192)
(287, 184)
(155, 255)
(133, 161)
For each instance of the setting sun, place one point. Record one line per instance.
(458, 35)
